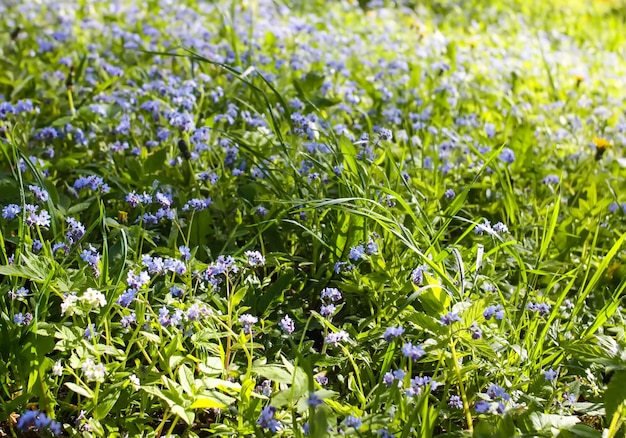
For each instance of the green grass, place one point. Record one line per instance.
(242, 175)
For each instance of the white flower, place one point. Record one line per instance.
(135, 381)
(68, 304)
(57, 369)
(93, 372)
(94, 298)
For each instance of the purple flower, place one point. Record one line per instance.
(496, 311)
(267, 421)
(455, 402)
(550, 375)
(331, 294)
(90, 332)
(75, 230)
(248, 321)
(321, 379)
(482, 407)
(497, 392)
(476, 332)
(10, 211)
(287, 325)
(197, 204)
(353, 421)
(38, 420)
(393, 332)
(184, 252)
(413, 352)
(541, 308)
(551, 179)
(449, 318)
(336, 337)
(385, 134)
(40, 194)
(255, 258)
(327, 310)
(356, 253)
(507, 155)
(164, 317)
(371, 248)
(417, 276)
(314, 400)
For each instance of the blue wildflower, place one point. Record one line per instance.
(353, 421)
(492, 311)
(482, 407)
(413, 352)
(267, 421)
(417, 276)
(331, 294)
(393, 332)
(455, 402)
(550, 375)
(11, 211)
(287, 325)
(449, 318)
(356, 253)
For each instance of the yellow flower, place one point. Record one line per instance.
(602, 144)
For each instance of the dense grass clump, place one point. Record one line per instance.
(254, 218)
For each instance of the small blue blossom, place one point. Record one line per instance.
(353, 421)
(507, 155)
(248, 321)
(449, 318)
(314, 400)
(417, 276)
(197, 204)
(331, 294)
(336, 337)
(37, 420)
(90, 332)
(455, 402)
(541, 308)
(371, 248)
(476, 332)
(413, 352)
(482, 407)
(327, 310)
(356, 253)
(496, 392)
(393, 332)
(287, 325)
(184, 252)
(37, 245)
(267, 421)
(255, 258)
(385, 134)
(11, 211)
(492, 311)
(40, 194)
(551, 179)
(550, 375)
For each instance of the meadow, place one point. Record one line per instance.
(307, 218)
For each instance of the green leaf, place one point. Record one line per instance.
(105, 404)
(204, 402)
(541, 421)
(85, 392)
(615, 394)
(21, 271)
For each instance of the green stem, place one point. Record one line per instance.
(457, 371)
